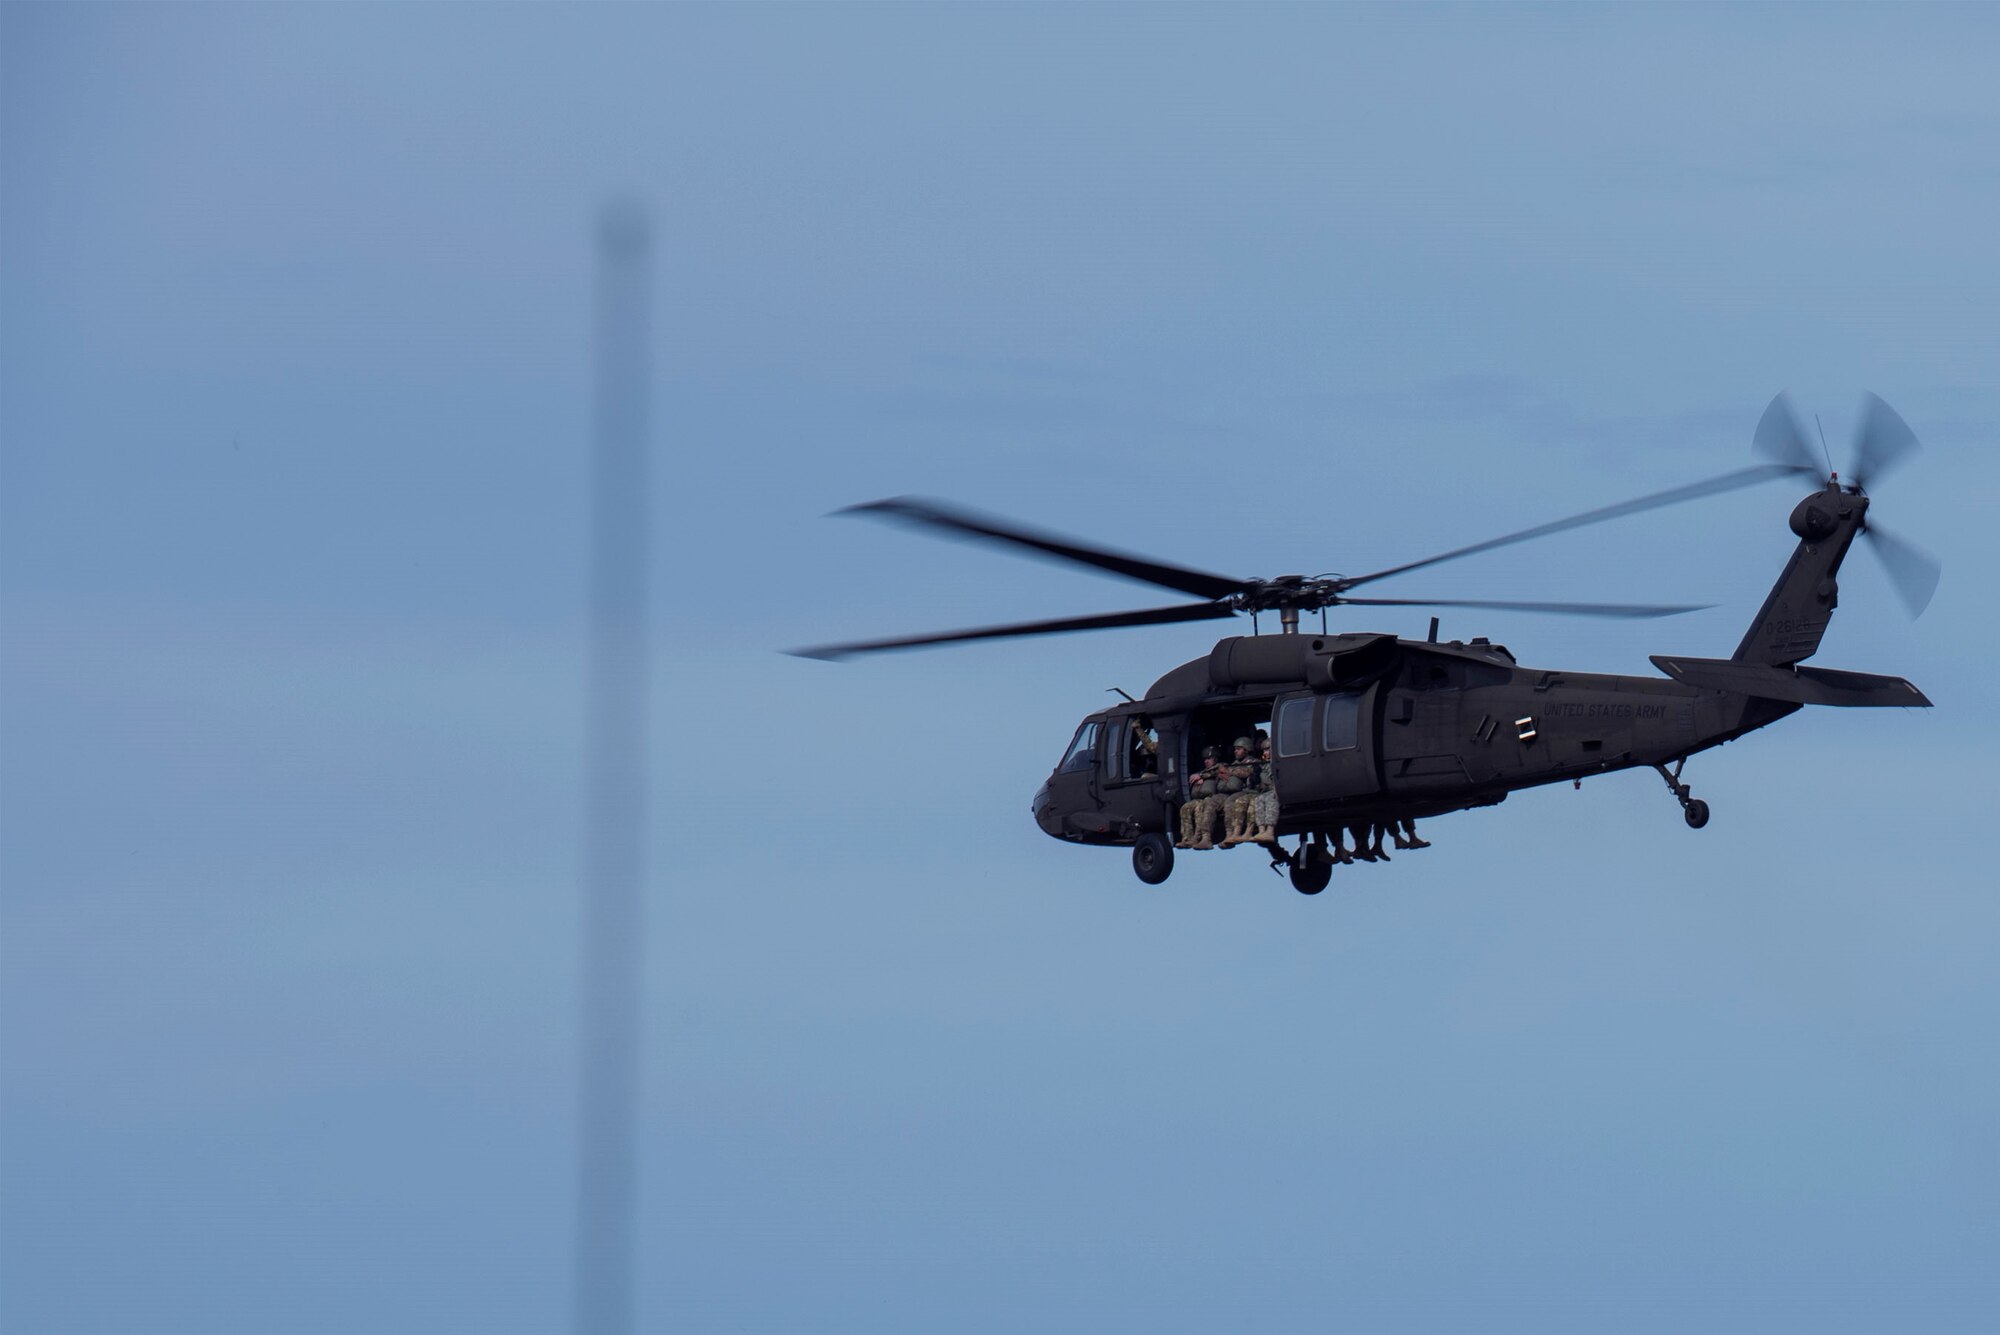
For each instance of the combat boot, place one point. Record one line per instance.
(1265, 834)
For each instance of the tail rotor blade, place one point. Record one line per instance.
(1782, 440)
(1911, 569)
(1883, 442)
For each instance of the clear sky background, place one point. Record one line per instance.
(295, 308)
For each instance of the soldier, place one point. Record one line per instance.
(1233, 776)
(1196, 812)
(1239, 779)
(1264, 796)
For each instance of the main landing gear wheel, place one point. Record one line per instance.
(1310, 874)
(1153, 858)
(1696, 813)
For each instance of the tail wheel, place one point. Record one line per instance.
(1153, 858)
(1696, 813)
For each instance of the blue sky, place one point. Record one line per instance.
(294, 311)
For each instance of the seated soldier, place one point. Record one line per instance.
(1198, 812)
(1239, 779)
(1264, 795)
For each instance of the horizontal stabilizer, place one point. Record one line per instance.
(1795, 685)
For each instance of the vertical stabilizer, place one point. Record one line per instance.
(1793, 619)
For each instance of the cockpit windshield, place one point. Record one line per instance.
(1082, 750)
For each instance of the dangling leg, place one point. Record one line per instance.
(1264, 815)
(1341, 856)
(1239, 820)
(1410, 828)
(1361, 849)
(1204, 823)
(1378, 832)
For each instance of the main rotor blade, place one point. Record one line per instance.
(1884, 441)
(966, 523)
(1911, 569)
(1633, 610)
(1157, 616)
(1742, 477)
(1781, 438)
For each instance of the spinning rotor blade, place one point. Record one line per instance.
(1742, 477)
(966, 523)
(1633, 610)
(1780, 437)
(1911, 569)
(1156, 616)
(1884, 441)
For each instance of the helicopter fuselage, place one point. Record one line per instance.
(1418, 730)
(1368, 730)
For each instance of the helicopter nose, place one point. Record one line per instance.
(1046, 817)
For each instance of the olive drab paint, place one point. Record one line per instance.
(1372, 732)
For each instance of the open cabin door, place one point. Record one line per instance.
(1325, 747)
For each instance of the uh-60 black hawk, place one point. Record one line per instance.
(1371, 733)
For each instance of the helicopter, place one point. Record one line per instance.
(1370, 732)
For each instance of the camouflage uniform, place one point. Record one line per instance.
(1264, 798)
(1239, 781)
(1198, 813)
(1145, 755)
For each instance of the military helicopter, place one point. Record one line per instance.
(1371, 732)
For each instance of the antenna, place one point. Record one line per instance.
(1823, 450)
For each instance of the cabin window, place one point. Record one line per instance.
(1295, 727)
(1082, 751)
(1343, 723)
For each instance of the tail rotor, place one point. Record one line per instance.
(1882, 443)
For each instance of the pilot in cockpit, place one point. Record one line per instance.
(1144, 755)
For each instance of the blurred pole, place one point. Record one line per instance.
(615, 779)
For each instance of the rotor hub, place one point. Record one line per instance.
(1288, 593)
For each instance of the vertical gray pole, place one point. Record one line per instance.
(615, 793)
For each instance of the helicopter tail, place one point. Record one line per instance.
(1794, 617)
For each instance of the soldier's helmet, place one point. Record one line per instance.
(1211, 753)
(1243, 743)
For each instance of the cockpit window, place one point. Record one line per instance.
(1082, 750)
